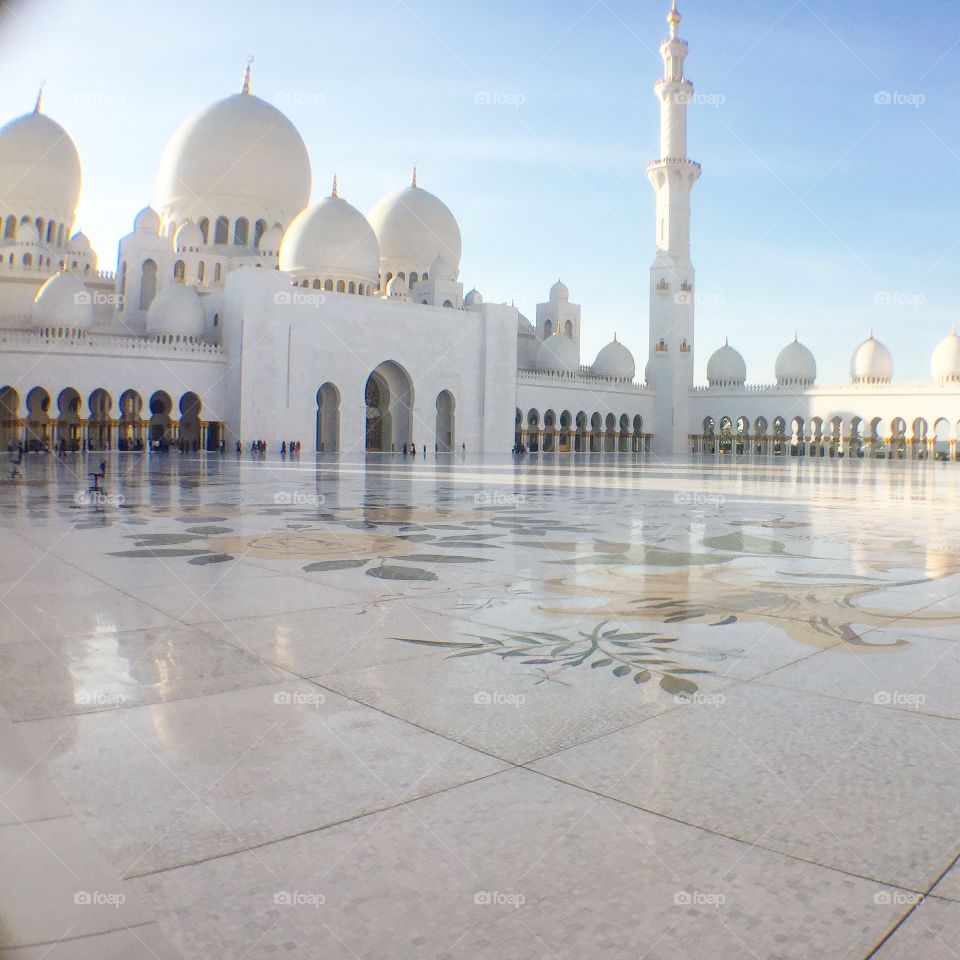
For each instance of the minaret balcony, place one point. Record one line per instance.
(670, 161)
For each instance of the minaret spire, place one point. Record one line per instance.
(336, 191)
(414, 183)
(246, 78)
(674, 18)
(37, 106)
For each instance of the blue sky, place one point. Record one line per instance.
(820, 209)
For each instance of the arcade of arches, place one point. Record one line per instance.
(856, 437)
(45, 420)
(580, 433)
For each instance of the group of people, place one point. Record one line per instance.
(259, 448)
(411, 449)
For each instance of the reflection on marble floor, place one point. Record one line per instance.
(376, 708)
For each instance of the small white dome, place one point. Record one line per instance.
(726, 368)
(39, 168)
(524, 327)
(177, 309)
(558, 353)
(441, 270)
(614, 360)
(559, 291)
(188, 236)
(147, 221)
(397, 288)
(413, 228)
(946, 360)
(271, 239)
(80, 244)
(27, 232)
(473, 298)
(796, 366)
(63, 300)
(331, 240)
(872, 362)
(239, 155)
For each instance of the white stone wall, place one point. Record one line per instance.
(291, 340)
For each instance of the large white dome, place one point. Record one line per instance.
(558, 353)
(177, 310)
(331, 240)
(39, 169)
(238, 157)
(796, 366)
(726, 368)
(872, 362)
(63, 301)
(946, 360)
(413, 228)
(614, 360)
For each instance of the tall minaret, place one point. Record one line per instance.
(673, 175)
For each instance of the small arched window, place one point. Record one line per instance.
(28, 260)
(221, 231)
(51, 231)
(413, 280)
(60, 235)
(328, 285)
(341, 286)
(201, 271)
(216, 273)
(316, 284)
(259, 229)
(352, 288)
(179, 270)
(148, 283)
(241, 232)
(205, 228)
(10, 228)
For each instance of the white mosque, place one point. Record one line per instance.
(238, 312)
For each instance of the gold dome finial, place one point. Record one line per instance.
(39, 103)
(336, 191)
(674, 18)
(246, 78)
(414, 182)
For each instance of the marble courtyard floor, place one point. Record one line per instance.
(595, 706)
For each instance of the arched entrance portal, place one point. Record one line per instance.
(389, 401)
(190, 434)
(328, 419)
(445, 431)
